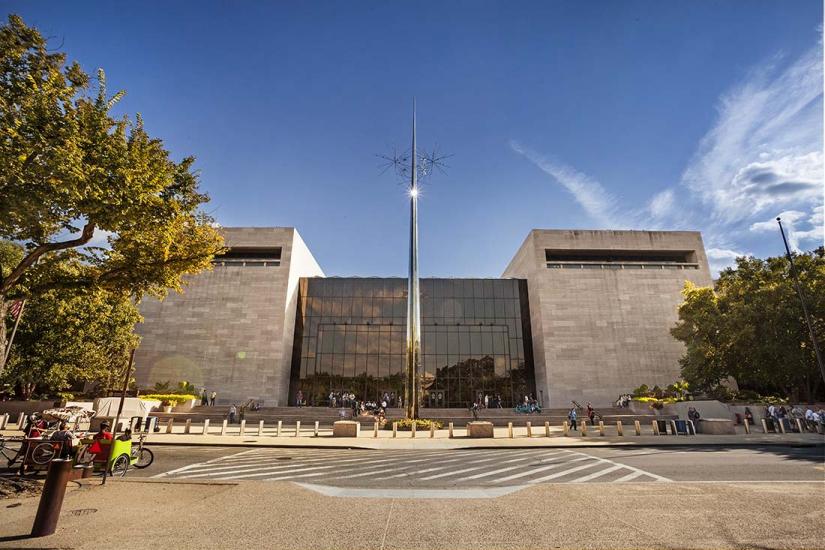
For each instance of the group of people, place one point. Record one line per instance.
(489, 402)
(573, 414)
(348, 400)
(624, 400)
(208, 400)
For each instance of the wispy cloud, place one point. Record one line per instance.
(600, 205)
(761, 158)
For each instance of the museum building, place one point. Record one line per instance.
(577, 315)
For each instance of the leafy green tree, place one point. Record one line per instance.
(751, 327)
(70, 171)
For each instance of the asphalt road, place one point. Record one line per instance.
(488, 467)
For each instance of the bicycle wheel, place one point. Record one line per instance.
(43, 453)
(144, 459)
(120, 465)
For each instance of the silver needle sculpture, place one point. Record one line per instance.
(412, 168)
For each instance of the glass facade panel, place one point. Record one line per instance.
(350, 337)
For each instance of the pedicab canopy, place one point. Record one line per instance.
(71, 413)
(106, 407)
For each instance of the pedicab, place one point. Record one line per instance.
(116, 455)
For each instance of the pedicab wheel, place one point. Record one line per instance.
(43, 453)
(144, 459)
(120, 465)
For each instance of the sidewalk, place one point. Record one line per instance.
(441, 439)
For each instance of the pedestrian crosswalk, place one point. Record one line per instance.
(418, 468)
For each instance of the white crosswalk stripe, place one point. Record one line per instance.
(389, 469)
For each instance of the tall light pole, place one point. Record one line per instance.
(411, 393)
(802, 300)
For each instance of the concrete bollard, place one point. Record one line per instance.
(565, 428)
(243, 427)
(546, 429)
(450, 428)
(799, 425)
(781, 426)
(764, 426)
(638, 427)
(223, 426)
(188, 427)
(619, 428)
(412, 430)
(375, 429)
(21, 420)
(260, 427)
(297, 428)
(655, 427)
(3, 421)
(315, 433)
(432, 430)
(395, 429)
(510, 430)
(601, 428)
(51, 499)
(205, 430)
(529, 430)
(583, 427)
(169, 424)
(278, 429)
(747, 427)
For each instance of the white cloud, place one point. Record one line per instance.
(600, 205)
(720, 258)
(662, 203)
(799, 226)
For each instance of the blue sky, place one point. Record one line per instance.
(645, 115)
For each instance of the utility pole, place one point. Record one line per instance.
(802, 300)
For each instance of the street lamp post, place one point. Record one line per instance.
(802, 300)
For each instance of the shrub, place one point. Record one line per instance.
(168, 398)
(421, 424)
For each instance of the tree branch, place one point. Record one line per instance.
(29, 260)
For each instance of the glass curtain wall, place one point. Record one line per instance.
(350, 339)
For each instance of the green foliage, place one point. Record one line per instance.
(751, 327)
(421, 424)
(168, 398)
(678, 391)
(70, 171)
(185, 387)
(642, 390)
(69, 336)
(161, 387)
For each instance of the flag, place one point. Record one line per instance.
(16, 309)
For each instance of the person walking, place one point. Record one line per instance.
(204, 398)
(591, 414)
(212, 398)
(571, 416)
(233, 410)
(299, 398)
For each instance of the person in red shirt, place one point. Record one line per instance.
(104, 433)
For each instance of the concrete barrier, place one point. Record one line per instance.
(346, 428)
(747, 427)
(169, 425)
(243, 428)
(21, 420)
(565, 428)
(799, 425)
(188, 426)
(480, 429)
(529, 430)
(205, 430)
(395, 429)
(655, 427)
(716, 426)
(601, 428)
(450, 428)
(764, 426)
(510, 430)
(412, 430)
(546, 429)
(781, 425)
(260, 427)
(297, 428)
(583, 427)
(432, 431)
(278, 428)
(619, 429)
(223, 427)
(375, 429)
(4, 420)
(315, 432)
(638, 427)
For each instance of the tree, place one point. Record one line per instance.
(70, 171)
(751, 327)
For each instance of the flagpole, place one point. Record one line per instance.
(7, 351)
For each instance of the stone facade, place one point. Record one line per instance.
(231, 330)
(603, 328)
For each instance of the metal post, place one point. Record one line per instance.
(411, 392)
(119, 411)
(51, 500)
(802, 301)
